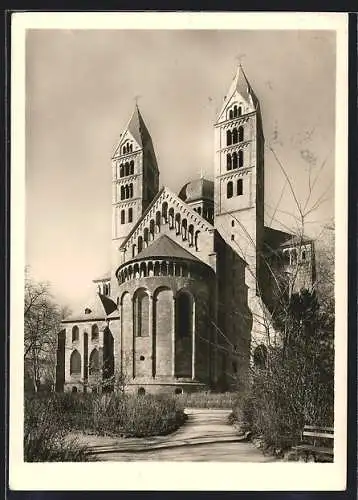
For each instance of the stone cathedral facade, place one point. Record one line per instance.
(181, 307)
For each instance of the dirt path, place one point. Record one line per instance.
(206, 436)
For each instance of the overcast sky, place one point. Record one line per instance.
(80, 93)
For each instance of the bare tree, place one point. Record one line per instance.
(42, 319)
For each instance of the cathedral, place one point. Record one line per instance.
(184, 306)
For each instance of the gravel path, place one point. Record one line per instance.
(205, 437)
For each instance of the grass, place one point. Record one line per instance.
(49, 419)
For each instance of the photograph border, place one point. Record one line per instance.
(18, 471)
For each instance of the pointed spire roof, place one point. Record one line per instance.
(137, 127)
(240, 83)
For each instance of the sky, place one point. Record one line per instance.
(81, 88)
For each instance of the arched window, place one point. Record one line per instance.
(240, 111)
(165, 212)
(171, 218)
(131, 167)
(177, 223)
(164, 269)
(235, 111)
(122, 193)
(229, 190)
(130, 190)
(75, 363)
(234, 136)
(75, 333)
(130, 214)
(94, 332)
(260, 356)
(184, 226)
(228, 138)
(143, 270)
(94, 362)
(184, 315)
(234, 160)
(141, 391)
(126, 168)
(191, 235)
(123, 217)
(131, 147)
(140, 244)
(241, 134)
(199, 210)
(228, 161)
(126, 192)
(134, 246)
(150, 269)
(121, 170)
(231, 116)
(156, 269)
(196, 240)
(151, 229)
(241, 158)
(141, 305)
(239, 187)
(124, 150)
(146, 236)
(157, 222)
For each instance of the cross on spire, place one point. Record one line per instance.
(136, 99)
(239, 58)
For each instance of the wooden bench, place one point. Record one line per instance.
(316, 444)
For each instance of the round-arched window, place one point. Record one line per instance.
(75, 363)
(141, 391)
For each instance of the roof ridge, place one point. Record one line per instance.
(174, 250)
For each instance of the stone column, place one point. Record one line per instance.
(68, 352)
(82, 352)
(173, 336)
(152, 335)
(193, 342)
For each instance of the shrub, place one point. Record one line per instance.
(45, 435)
(225, 400)
(49, 419)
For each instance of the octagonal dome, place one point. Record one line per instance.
(197, 189)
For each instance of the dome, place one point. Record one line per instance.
(198, 189)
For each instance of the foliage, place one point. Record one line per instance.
(295, 387)
(45, 435)
(207, 400)
(49, 419)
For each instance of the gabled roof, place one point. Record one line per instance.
(165, 247)
(104, 277)
(155, 199)
(97, 308)
(142, 216)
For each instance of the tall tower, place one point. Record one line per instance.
(135, 179)
(239, 175)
